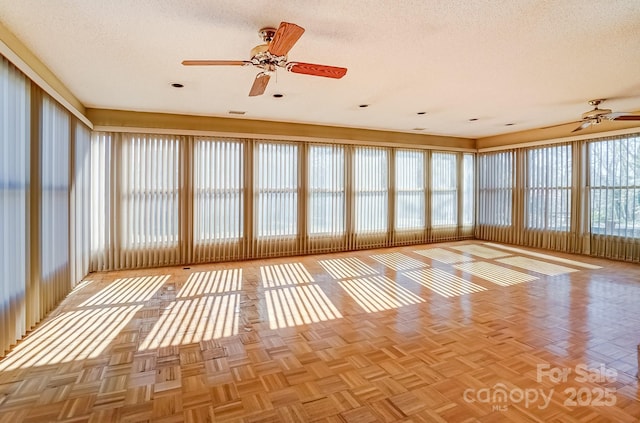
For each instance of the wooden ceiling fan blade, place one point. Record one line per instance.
(623, 116)
(584, 125)
(284, 39)
(316, 70)
(259, 84)
(215, 62)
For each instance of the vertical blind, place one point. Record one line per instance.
(14, 209)
(277, 183)
(54, 204)
(615, 187)
(219, 203)
(160, 199)
(410, 189)
(444, 189)
(103, 171)
(80, 203)
(614, 191)
(371, 187)
(150, 189)
(496, 182)
(548, 188)
(468, 190)
(326, 190)
(218, 190)
(44, 204)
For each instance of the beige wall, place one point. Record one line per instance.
(37, 71)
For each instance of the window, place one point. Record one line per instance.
(548, 188)
(614, 172)
(218, 189)
(371, 186)
(444, 191)
(326, 190)
(495, 188)
(410, 189)
(150, 186)
(277, 183)
(467, 189)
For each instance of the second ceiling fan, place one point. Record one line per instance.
(273, 54)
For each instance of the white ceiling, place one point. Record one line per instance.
(532, 63)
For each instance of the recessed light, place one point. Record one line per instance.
(363, 105)
(421, 113)
(278, 95)
(473, 119)
(509, 124)
(236, 112)
(177, 85)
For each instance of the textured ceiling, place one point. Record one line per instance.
(521, 62)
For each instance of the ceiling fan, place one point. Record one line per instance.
(273, 54)
(595, 116)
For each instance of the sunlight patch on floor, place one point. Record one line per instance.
(444, 283)
(444, 256)
(127, 290)
(213, 282)
(284, 274)
(69, 336)
(398, 261)
(545, 256)
(192, 320)
(536, 266)
(346, 268)
(298, 305)
(494, 273)
(378, 293)
(480, 251)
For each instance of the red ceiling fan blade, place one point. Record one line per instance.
(259, 84)
(622, 116)
(215, 63)
(316, 70)
(284, 39)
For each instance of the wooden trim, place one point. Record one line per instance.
(128, 121)
(556, 134)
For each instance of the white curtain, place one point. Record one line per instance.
(14, 203)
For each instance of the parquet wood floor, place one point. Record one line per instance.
(468, 332)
